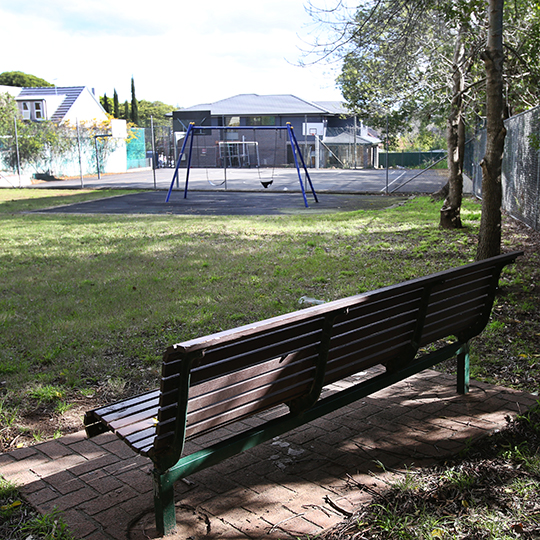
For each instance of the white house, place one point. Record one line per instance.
(72, 104)
(60, 104)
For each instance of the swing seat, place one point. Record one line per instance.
(266, 183)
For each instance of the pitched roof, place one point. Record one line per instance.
(333, 107)
(347, 138)
(255, 105)
(70, 93)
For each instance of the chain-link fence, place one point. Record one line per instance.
(164, 146)
(521, 166)
(46, 151)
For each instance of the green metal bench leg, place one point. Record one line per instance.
(463, 370)
(164, 504)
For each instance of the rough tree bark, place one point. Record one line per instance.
(451, 210)
(489, 239)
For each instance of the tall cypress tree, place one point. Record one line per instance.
(106, 104)
(134, 104)
(126, 110)
(116, 106)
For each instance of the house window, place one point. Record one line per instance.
(38, 110)
(261, 121)
(232, 121)
(26, 110)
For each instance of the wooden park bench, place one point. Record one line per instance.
(212, 381)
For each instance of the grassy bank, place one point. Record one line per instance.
(88, 303)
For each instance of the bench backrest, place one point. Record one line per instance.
(234, 374)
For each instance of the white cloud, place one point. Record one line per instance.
(178, 52)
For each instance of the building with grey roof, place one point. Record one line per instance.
(327, 132)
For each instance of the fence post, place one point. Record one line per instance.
(80, 156)
(17, 149)
(153, 149)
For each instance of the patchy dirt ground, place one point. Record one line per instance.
(491, 492)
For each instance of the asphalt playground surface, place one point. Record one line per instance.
(242, 191)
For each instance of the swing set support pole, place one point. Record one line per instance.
(188, 164)
(175, 175)
(304, 166)
(294, 150)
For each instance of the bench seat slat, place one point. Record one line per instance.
(140, 416)
(141, 440)
(121, 407)
(147, 423)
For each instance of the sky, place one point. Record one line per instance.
(180, 52)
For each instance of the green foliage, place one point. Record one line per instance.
(398, 58)
(534, 141)
(49, 527)
(7, 488)
(141, 109)
(423, 137)
(47, 393)
(155, 109)
(105, 103)
(522, 43)
(116, 106)
(393, 64)
(134, 104)
(40, 144)
(8, 112)
(18, 78)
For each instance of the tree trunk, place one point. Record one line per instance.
(451, 210)
(489, 239)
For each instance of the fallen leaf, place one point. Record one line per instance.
(10, 506)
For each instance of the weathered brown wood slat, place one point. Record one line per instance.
(239, 341)
(293, 362)
(211, 396)
(141, 416)
(128, 403)
(239, 386)
(115, 415)
(126, 431)
(215, 364)
(218, 362)
(260, 403)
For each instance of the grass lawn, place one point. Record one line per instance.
(89, 302)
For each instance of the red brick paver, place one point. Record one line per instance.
(294, 485)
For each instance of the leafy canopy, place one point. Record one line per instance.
(18, 78)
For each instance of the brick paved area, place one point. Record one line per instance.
(296, 484)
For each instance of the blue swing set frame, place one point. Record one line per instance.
(190, 133)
